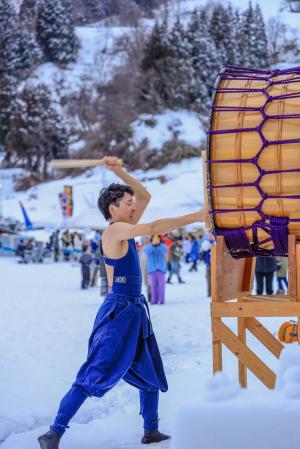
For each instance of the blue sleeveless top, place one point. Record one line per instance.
(127, 272)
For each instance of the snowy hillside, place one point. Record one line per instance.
(182, 193)
(97, 62)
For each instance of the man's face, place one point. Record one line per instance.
(125, 210)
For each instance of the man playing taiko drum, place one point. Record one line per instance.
(122, 344)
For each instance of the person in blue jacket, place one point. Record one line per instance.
(122, 344)
(156, 253)
(195, 253)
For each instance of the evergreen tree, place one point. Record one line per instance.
(216, 29)
(95, 9)
(28, 14)
(156, 48)
(249, 38)
(7, 101)
(204, 55)
(222, 32)
(237, 36)
(37, 133)
(29, 52)
(153, 65)
(9, 41)
(55, 31)
(261, 51)
(181, 90)
(229, 42)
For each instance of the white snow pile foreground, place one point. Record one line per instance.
(235, 418)
(157, 129)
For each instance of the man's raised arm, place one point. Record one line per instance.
(142, 196)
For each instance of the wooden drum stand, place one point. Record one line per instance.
(232, 297)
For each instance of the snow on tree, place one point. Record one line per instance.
(37, 133)
(153, 78)
(181, 88)
(253, 38)
(237, 36)
(261, 50)
(55, 31)
(221, 29)
(204, 55)
(28, 14)
(9, 42)
(7, 101)
(29, 52)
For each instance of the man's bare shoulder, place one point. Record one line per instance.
(115, 228)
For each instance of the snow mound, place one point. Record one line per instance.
(234, 418)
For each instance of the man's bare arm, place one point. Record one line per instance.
(124, 231)
(142, 195)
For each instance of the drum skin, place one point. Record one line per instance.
(254, 151)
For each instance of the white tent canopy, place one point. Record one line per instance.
(89, 218)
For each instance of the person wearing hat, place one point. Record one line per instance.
(176, 253)
(156, 252)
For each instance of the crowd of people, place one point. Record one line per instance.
(161, 261)
(161, 258)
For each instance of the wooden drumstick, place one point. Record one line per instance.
(79, 163)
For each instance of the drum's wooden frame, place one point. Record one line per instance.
(232, 281)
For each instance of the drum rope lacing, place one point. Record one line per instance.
(275, 227)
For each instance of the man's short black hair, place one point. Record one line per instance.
(112, 195)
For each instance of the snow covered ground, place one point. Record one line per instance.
(44, 327)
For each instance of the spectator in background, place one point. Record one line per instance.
(21, 251)
(77, 246)
(156, 252)
(205, 251)
(144, 269)
(176, 253)
(169, 239)
(103, 277)
(195, 253)
(85, 261)
(281, 274)
(66, 243)
(54, 243)
(264, 274)
(187, 249)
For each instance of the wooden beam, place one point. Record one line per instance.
(249, 309)
(242, 366)
(78, 163)
(264, 336)
(245, 355)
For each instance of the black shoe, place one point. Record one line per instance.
(181, 281)
(169, 282)
(49, 440)
(153, 436)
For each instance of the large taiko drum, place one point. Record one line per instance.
(254, 160)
